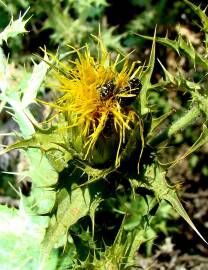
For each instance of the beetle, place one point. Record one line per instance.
(134, 87)
(107, 90)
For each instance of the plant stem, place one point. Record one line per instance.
(188, 119)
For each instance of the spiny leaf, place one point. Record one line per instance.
(40, 202)
(44, 142)
(146, 79)
(201, 13)
(88, 8)
(93, 207)
(180, 82)
(173, 199)
(34, 82)
(135, 239)
(45, 152)
(19, 104)
(158, 184)
(19, 115)
(71, 207)
(110, 39)
(14, 28)
(168, 76)
(186, 120)
(40, 170)
(94, 174)
(182, 47)
(203, 139)
(156, 122)
(3, 72)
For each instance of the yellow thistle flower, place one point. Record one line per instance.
(93, 90)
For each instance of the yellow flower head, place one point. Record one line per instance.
(94, 91)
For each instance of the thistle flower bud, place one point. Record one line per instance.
(95, 102)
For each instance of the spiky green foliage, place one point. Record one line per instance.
(88, 209)
(14, 28)
(57, 17)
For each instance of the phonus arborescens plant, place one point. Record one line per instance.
(95, 157)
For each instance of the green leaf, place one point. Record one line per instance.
(44, 142)
(20, 116)
(3, 72)
(134, 240)
(202, 15)
(40, 169)
(34, 82)
(48, 153)
(146, 79)
(168, 76)
(182, 47)
(93, 207)
(20, 105)
(41, 201)
(203, 139)
(181, 123)
(156, 122)
(158, 184)
(88, 8)
(94, 174)
(71, 207)
(110, 39)
(52, 144)
(20, 237)
(173, 199)
(14, 28)
(180, 82)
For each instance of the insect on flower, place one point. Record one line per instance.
(94, 90)
(134, 88)
(106, 91)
